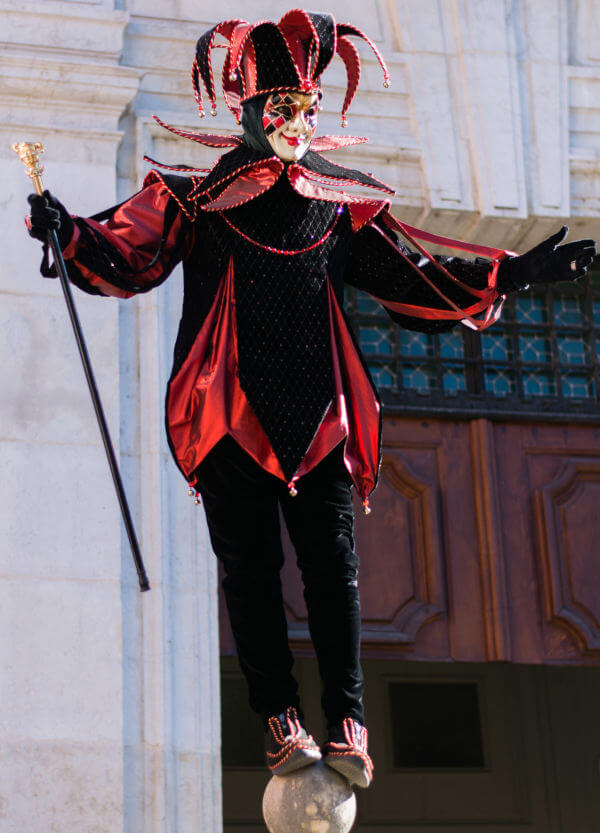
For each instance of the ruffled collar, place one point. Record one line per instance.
(243, 174)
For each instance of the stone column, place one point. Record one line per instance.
(110, 698)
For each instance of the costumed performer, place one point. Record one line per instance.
(270, 404)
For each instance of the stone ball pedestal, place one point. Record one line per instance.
(311, 800)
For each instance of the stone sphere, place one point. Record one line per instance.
(314, 799)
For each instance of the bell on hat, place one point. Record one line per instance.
(267, 57)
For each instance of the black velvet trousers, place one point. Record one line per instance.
(242, 503)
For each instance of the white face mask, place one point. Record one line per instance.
(290, 121)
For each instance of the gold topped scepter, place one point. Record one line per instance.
(28, 153)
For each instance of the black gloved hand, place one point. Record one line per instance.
(47, 214)
(547, 263)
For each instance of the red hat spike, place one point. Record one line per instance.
(297, 26)
(203, 49)
(348, 29)
(208, 139)
(265, 57)
(250, 71)
(326, 28)
(231, 89)
(197, 90)
(239, 37)
(349, 55)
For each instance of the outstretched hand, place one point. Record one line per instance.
(548, 262)
(48, 214)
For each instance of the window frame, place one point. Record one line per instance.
(476, 401)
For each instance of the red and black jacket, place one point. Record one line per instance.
(286, 237)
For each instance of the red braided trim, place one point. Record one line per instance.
(182, 168)
(488, 296)
(232, 97)
(189, 209)
(196, 85)
(289, 743)
(315, 45)
(241, 46)
(211, 140)
(281, 759)
(349, 55)
(289, 88)
(218, 30)
(272, 249)
(359, 33)
(350, 753)
(198, 187)
(325, 179)
(289, 747)
(355, 746)
(320, 144)
(301, 79)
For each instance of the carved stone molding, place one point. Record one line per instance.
(566, 513)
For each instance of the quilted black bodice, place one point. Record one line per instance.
(282, 306)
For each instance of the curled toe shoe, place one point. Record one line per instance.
(346, 752)
(288, 746)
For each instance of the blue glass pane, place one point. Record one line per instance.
(578, 385)
(539, 384)
(572, 349)
(419, 377)
(496, 346)
(376, 339)
(451, 345)
(454, 380)
(567, 311)
(415, 345)
(596, 311)
(500, 381)
(383, 375)
(364, 303)
(535, 347)
(531, 309)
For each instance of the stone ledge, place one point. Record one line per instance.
(65, 95)
(87, 29)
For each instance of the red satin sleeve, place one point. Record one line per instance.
(134, 232)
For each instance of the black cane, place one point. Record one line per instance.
(28, 153)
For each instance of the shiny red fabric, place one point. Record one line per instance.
(490, 302)
(134, 229)
(323, 143)
(205, 401)
(310, 185)
(249, 184)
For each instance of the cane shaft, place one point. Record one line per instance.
(89, 375)
(28, 153)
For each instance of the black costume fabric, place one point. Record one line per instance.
(287, 253)
(285, 364)
(320, 523)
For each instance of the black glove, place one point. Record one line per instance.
(47, 214)
(547, 263)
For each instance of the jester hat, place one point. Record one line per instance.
(267, 57)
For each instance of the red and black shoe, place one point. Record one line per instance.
(288, 745)
(346, 752)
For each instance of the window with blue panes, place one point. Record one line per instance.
(542, 356)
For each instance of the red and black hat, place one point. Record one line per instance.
(266, 57)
